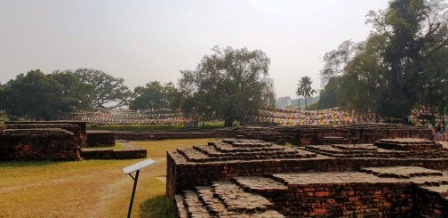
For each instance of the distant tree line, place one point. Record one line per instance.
(229, 84)
(403, 62)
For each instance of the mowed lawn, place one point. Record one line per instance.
(88, 188)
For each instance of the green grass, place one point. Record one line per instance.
(89, 188)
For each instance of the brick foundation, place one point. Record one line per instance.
(99, 138)
(319, 135)
(174, 135)
(339, 180)
(38, 144)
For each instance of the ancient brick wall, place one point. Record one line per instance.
(75, 129)
(82, 124)
(371, 192)
(38, 144)
(201, 165)
(99, 138)
(372, 200)
(430, 203)
(174, 135)
(182, 176)
(318, 135)
(114, 154)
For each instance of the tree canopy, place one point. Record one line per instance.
(230, 84)
(155, 96)
(390, 72)
(110, 92)
(42, 97)
(304, 89)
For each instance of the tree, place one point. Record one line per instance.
(414, 30)
(305, 89)
(173, 96)
(230, 83)
(329, 97)
(75, 95)
(151, 96)
(388, 72)
(43, 97)
(110, 92)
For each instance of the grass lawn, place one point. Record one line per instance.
(89, 188)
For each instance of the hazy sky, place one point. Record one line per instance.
(143, 41)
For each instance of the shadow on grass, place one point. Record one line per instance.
(158, 206)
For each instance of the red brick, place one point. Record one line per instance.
(387, 204)
(320, 211)
(308, 189)
(310, 194)
(353, 199)
(316, 205)
(322, 194)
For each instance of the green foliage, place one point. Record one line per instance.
(42, 97)
(155, 96)
(397, 65)
(305, 89)
(329, 97)
(151, 96)
(75, 95)
(230, 84)
(110, 92)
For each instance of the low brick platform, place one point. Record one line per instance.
(130, 152)
(234, 149)
(75, 129)
(321, 135)
(82, 124)
(38, 144)
(409, 144)
(99, 138)
(156, 135)
(326, 194)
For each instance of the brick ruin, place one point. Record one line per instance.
(320, 135)
(60, 140)
(402, 177)
(99, 138)
(38, 144)
(41, 140)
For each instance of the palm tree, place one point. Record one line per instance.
(305, 89)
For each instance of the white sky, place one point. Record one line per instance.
(143, 41)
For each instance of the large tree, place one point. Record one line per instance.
(150, 96)
(43, 97)
(390, 70)
(231, 84)
(75, 95)
(110, 92)
(305, 90)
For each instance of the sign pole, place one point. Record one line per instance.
(136, 168)
(133, 191)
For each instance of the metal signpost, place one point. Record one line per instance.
(136, 168)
